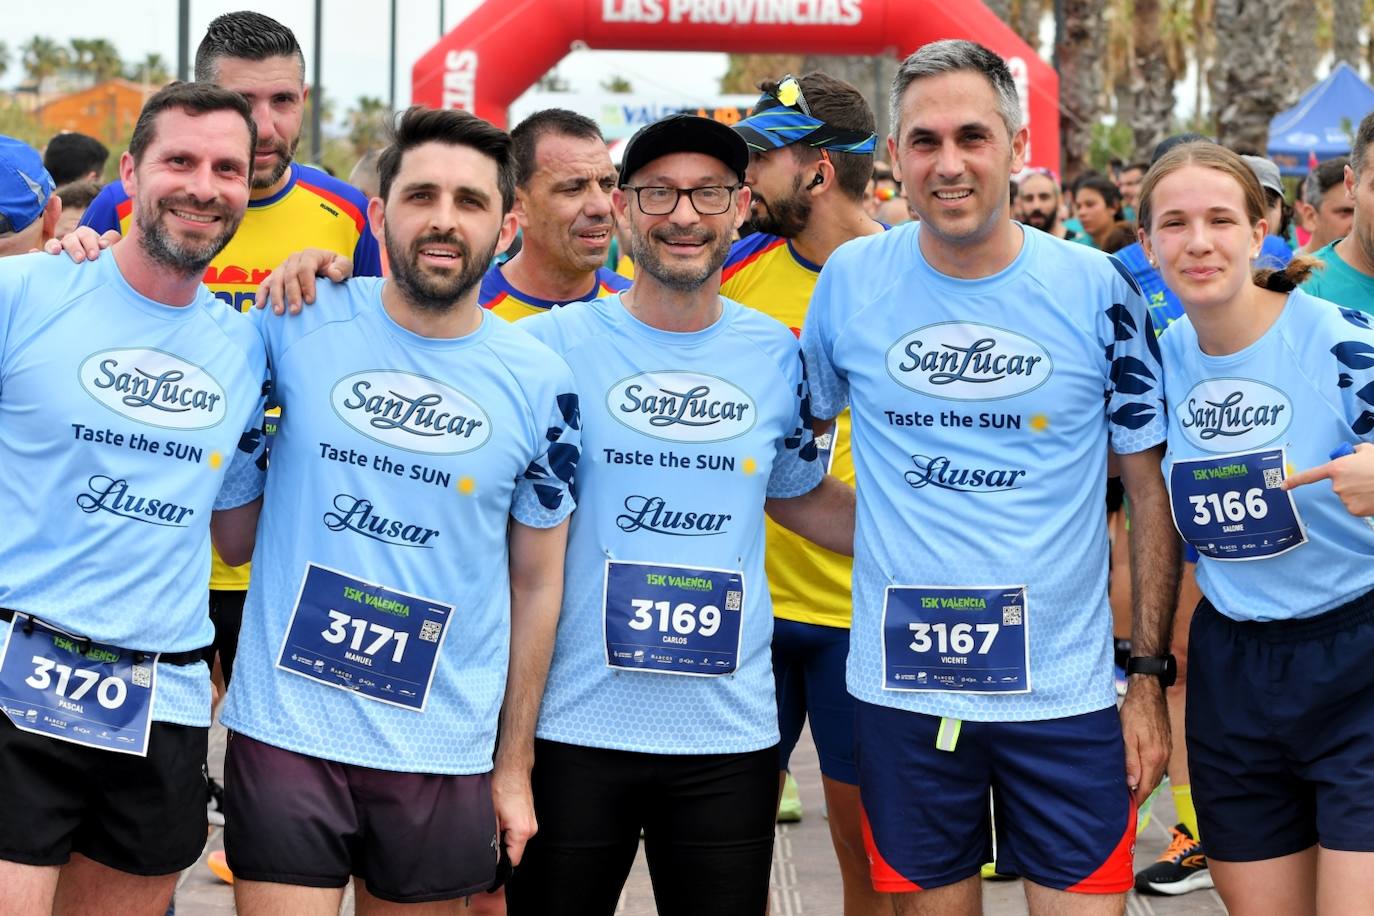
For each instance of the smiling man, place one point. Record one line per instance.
(409, 558)
(564, 180)
(811, 141)
(659, 713)
(988, 367)
(128, 392)
(290, 206)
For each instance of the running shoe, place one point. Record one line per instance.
(1182, 868)
(220, 866)
(790, 808)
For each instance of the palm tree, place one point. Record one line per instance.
(1079, 48)
(1152, 76)
(42, 58)
(1250, 82)
(79, 57)
(1027, 24)
(152, 70)
(366, 124)
(105, 62)
(1346, 19)
(746, 71)
(1000, 8)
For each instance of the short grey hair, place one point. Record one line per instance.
(1323, 178)
(951, 56)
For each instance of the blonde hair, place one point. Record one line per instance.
(1213, 156)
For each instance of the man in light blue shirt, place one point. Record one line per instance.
(127, 391)
(988, 368)
(659, 714)
(409, 558)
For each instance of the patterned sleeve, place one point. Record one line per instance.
(796, 470)
(247, 474)
(544, 493)
(1354, 352)
(829, 386)
(1134, 390)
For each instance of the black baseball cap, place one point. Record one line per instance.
(684, 133)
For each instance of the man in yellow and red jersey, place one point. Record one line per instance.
(564, 180)
(291, 206)
(812, 140)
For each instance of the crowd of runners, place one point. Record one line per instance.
(555, 552)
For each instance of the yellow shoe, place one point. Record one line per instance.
(220, 866)
(790, 807)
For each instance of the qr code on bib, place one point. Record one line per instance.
(733, 599)
(1011, 615)
(1273, 478)
(429, 631)
(143, 676)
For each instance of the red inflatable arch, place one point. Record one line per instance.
(504, 46)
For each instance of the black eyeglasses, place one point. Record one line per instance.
(710, 200)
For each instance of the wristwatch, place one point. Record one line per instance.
(1164, 667)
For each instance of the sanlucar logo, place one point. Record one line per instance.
(681, 406)
(410, 412)
(153, 387)
(964, 361)
(1233, 414)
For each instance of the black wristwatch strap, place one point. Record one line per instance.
(1164, 667)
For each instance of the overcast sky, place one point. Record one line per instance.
(356, 37)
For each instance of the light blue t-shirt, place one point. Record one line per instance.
(399, 462)
(1306, 386)
(982, 412)
(119, 417)
(684, 436)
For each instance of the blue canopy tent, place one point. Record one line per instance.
(1318, 124)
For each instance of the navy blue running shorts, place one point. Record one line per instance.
(1064, 817)
(808, 671)
(1280, 726)
(412, 837)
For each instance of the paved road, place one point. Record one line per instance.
(805, 880)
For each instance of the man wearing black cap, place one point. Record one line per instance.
(659, 713)
(811, 141)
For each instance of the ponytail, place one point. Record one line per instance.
(1288, 278)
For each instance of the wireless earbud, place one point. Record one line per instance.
(815, 181)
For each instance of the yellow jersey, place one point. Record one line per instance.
(511, 304)
(809, 584)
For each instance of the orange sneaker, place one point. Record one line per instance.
(220, 866)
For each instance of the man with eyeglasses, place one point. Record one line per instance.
(659, 713)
